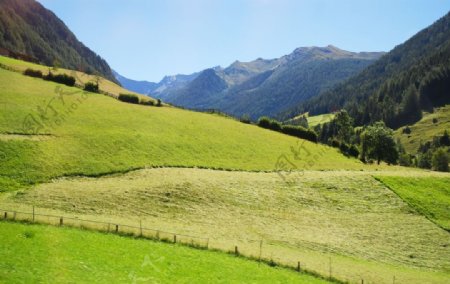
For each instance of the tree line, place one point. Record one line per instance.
(372, 143)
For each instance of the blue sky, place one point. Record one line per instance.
(147, 39)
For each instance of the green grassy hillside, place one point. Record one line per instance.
(41, 254)
(49, 130)
(320, 119)
(349, 217)
(429, 196)
(425, 129)
(313, 120)
(81, 78)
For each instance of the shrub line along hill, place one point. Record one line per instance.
(91, 83)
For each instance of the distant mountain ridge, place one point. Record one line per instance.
(28, 28)
(160, 90)
(298, 76)
(170, 84)
(265, 86)
(141, 87)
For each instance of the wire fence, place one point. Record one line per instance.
(273, 253)
(108, 227)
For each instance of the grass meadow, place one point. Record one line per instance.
(314, 120)
(65, 255)
(346, 217)
(425, 129)
(428, 195)
(319, 119)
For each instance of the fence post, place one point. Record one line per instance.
(174, 238)
(117, 228)
(207, 243)
(236, 250)
(6, 215)
(298, 266)
(157, 235)
(362, 281)
(140, 226)
(260, 249)
(393, 280)
(14, 215)
(330, 267)
(61, 222)
(33, 213)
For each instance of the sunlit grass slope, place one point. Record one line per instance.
(81, 78)
(425, 129)
(320, 119)
(428, 195)
(314, 120)
(92, 134)
(42, 254)
(366, 230)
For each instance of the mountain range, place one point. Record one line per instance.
(259, 87)
(413, 77)
(161, 90)
(30, 31)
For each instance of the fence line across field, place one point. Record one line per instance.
(33, 215)
(173, 237)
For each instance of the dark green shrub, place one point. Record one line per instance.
(91, 87)
(406, 130)
(129, 98)
(60, 78)
(269, 123)
(344, 148)
(435, 120)
(445, 139)
(245, 119)
(335, 143)
(353, 151)
(440, 160)
(291, 130)
(405, 160)
(424, 160)
(264, 122)
(147, 103)
(275, 125)
(158, 103)
(299, 132)
(33, 73)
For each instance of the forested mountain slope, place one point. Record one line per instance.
(37, 34)
(414, 76)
